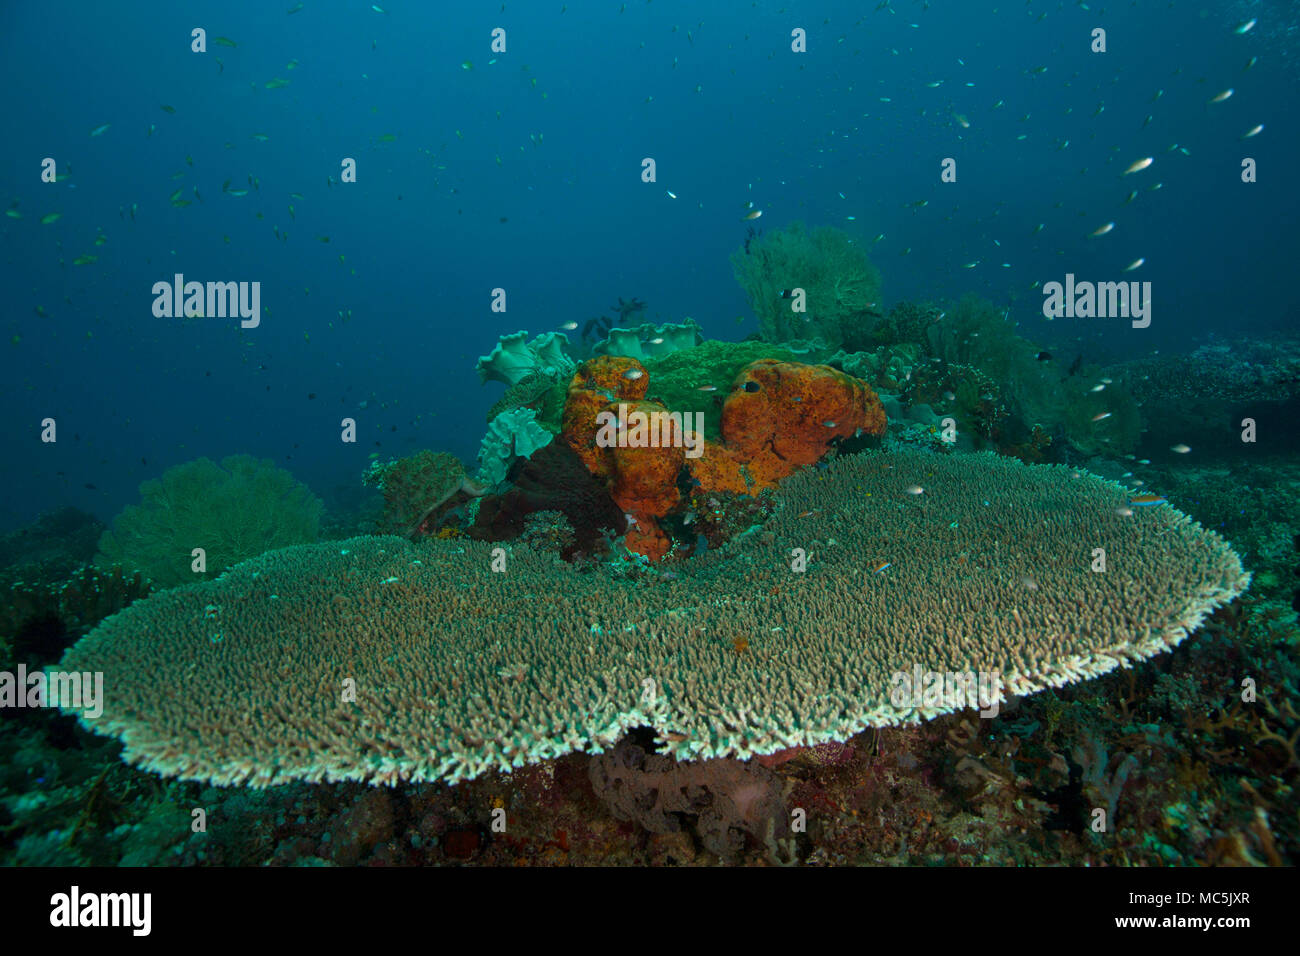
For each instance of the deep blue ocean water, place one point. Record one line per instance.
(522, 170)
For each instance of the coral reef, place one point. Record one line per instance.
(1215, 786)
(436, 623)
(1254, 505)
(234, 511)
(52, 546)
(842, 286)
(972, 398)
(1201, 398)
(906, 323)
(40, 618)
(1233, 371)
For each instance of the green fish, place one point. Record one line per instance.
(167, 109)
(13, 214)
(176, 195)
(99, 129)
(84, 260)
(276, 83)
(225, 41)
(261, 137)
(388, 138)
(295, 8)
(181, 203)
(50, 217)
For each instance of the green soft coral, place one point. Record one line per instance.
(234, 510)
(680, 381)
(842, 285)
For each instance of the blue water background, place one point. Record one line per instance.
(584, 92)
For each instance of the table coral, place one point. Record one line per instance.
(571, 660)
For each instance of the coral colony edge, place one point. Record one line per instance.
(687, 623)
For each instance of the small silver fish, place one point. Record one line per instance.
(633, 374)
(1180, 449)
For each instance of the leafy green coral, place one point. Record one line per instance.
(234, 510)
(513, 434)
(842, 285)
